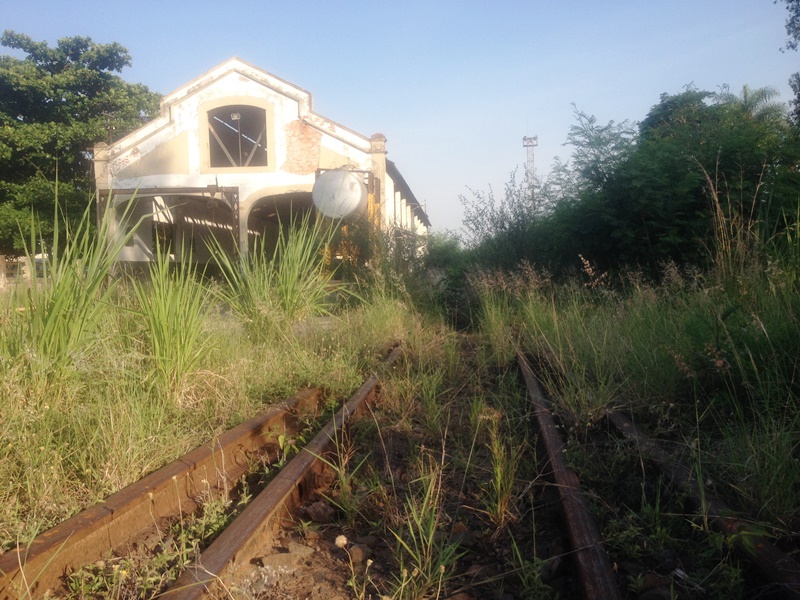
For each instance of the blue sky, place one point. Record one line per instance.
(454, 86)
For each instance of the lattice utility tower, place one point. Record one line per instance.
(530, 143)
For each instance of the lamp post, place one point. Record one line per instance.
(238, 118)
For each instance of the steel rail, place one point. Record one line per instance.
(780, 568)
(123, 517)
(597, 578)
(256, 526)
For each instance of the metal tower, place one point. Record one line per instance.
(530, 143)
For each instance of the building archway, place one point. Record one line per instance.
(269, 215)
(182, 225)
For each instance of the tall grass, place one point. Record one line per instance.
(426, 556)
(271, 293)
(713, 353)
(174, 306)
(65, 308)
(785, 247)
(506, 455)
(92, 365)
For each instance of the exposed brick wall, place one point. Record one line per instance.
(302, 148)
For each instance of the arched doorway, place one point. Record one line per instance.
(182, 225)
(271, 214)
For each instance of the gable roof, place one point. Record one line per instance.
(238, 66)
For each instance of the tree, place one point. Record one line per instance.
(792, 23)
(485, 216)
(793, 33)
(55, 104)
(598, 149)
(654, 205)
(639, 199)
(759, 103)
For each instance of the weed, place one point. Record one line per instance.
(348, 496)
(274, 292)
(60, 313)
(174, 307)
(505, 461)
(358, 584)
(426, 556)
(305, 528)
(530, 573)
(430, 393)
(147, 575)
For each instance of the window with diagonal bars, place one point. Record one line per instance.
(237, 136)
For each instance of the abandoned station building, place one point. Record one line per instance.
(236, 154)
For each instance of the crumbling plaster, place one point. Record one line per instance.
(172, 151)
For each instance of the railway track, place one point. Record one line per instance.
(777, 567)
(124, 517)
(115, 526)
(595, 572)
(780, 571)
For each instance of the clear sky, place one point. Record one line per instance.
(454, 86)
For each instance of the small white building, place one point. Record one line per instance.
(233, 155)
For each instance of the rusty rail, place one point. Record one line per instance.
(775, 564)
(597, 578)
(115, 524)
(125, 516)
(255, 527)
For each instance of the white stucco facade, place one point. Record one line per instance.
(232, 151)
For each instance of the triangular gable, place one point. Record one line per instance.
(236, 65)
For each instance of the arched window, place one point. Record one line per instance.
(237, 136)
